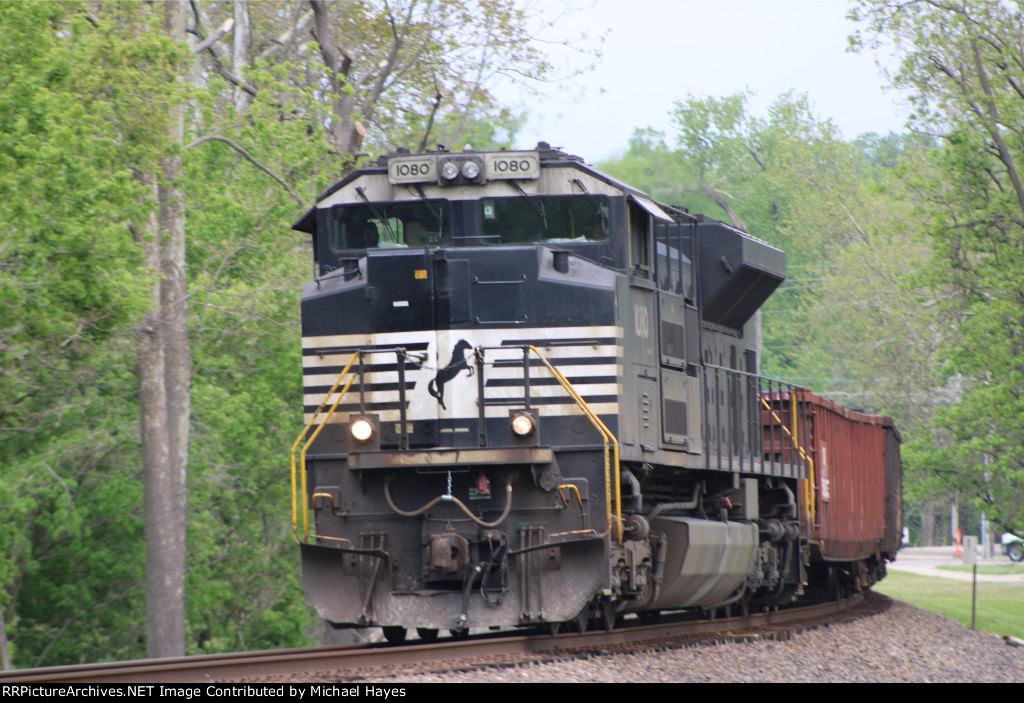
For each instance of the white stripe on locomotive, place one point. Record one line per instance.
(461, 390)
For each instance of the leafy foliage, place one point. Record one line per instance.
(83, 125)
(71, 286)
(849, 307)
(960, 63)
(853, 320)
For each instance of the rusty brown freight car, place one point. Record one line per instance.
(852, 502)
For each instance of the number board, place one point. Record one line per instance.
(413, 169)
(506, 165)
(512, 164)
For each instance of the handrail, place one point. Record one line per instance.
(575, 489)
(611, 447)
(309, 442)
(809, 496)
(608, 437)
(809, 493)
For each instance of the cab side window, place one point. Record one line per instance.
(639, 241)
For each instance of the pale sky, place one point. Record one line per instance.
(659, 51)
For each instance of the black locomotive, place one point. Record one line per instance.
(532, 398)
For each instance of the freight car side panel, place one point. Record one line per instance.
(893, 491)
(855, 483)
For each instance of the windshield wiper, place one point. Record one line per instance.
(377, 213)
(538, 207)
(430, 206)
(593, 202)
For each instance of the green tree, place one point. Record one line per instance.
(90, 139)
(852, 320)
(835, 208)
(960, 63)
(71, 282)
(661, 171)
(378, 75)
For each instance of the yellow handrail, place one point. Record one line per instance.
(309, 442)
(615, 519)
(809, 485)
(575, 489)
(611, 464)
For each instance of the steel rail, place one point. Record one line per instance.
(352, 658)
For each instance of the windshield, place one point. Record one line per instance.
(524, 219)
(390, 225)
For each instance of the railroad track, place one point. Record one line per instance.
(359, 662)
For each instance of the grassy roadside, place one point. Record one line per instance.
(992, 569)
(1000, 605)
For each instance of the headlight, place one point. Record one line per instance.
(470, 170)
(449, 171)
(522, 425)
(362, 430)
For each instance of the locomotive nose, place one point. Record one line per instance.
(399, 296)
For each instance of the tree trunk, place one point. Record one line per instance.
(343, 126)
(240, 52)
(5, 658)
(161, 588)
(165, 371)
(721, 201)
(928, 524)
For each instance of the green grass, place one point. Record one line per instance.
(992, 569)
(1000, 605)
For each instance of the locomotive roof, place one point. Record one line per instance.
(543, 156)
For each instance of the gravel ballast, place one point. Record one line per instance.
(902, 644)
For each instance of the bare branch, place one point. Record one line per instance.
(220, 32)
(286, 38)
(251, 159)
(993, 127)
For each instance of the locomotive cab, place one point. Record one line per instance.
(532, 397)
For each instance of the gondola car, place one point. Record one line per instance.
(532, 398)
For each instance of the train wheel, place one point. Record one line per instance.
(427, 634)
(580, 622)
(394, 634)
(608, 615)
(834, 584)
